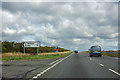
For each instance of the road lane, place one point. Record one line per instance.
(111, 62)
(80, 66)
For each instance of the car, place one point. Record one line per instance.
(95, 51)
(76, 51)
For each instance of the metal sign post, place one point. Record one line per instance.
(37, 51)
(24, 50)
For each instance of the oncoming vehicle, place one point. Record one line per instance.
(76, 51)
(95, 50)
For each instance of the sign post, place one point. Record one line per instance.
(24, 50)
(31, 44)
(37, 51)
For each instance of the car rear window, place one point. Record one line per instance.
(96, 48)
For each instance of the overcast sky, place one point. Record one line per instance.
(72, 25)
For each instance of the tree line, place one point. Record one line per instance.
(17, 47)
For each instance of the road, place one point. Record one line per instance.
(78, 65)
(24, 68)
(81, 66)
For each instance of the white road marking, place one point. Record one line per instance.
(35, 77)
(114, 72)
(101, 64)
(90, 58)
(54, 61)
(38, 75)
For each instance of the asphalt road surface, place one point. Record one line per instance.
(82, 66)
(76, 65)
(24, 68)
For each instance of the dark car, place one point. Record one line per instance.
(95, 51)
(76, 51)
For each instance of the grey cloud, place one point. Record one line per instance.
(71, 25)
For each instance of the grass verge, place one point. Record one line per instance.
(33, 57)
(112, 55)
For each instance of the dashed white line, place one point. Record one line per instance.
(38, 75)
(101, 64)
(114, 72)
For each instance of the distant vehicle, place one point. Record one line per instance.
(76, 51)
(95, 50)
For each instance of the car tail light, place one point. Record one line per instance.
(100, 50)
(91, 51)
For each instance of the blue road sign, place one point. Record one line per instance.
(56, 48)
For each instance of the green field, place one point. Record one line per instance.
(112, 55)
(33, 57)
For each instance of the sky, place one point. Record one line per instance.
(71, 25)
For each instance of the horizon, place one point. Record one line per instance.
(42, 45)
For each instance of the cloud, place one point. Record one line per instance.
(67, 24)
(9, 31)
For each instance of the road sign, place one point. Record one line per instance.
(56, 48)
(31, 44)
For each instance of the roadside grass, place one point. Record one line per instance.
(34, 57)
(13, 54)
(112, 55)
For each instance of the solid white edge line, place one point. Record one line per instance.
(54, 61)
(38, 75)
(114, 72)
(101, 64)
(34, 77)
